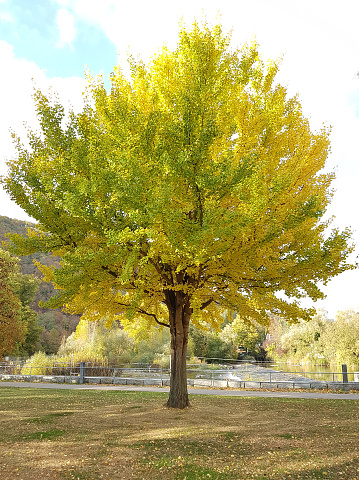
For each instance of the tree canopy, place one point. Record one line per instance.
(193, 186)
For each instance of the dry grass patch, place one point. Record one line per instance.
(90, 435)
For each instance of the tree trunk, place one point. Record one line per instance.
(179, 317)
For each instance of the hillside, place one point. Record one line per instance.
(56, 324)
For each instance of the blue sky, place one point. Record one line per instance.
(49, 43)
(55, 40)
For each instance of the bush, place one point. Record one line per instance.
(38, 364)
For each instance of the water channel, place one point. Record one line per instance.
(310, 370)
(265, 371)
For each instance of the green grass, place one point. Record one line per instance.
(88, 435)
(46, 435)
(47, 418)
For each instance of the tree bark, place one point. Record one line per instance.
(179, 317)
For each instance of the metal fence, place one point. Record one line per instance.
(240, 376)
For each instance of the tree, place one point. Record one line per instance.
(209, 345)
(192, 187)
(246, 333)
(305, 341)
(25, 288)
(278, 326)
(341, 340)
(19, 329)
(319, 340)
(11, 326)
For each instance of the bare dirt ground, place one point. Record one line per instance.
(71, 434)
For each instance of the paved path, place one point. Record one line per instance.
(191, 391)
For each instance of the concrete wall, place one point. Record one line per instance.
(204, 383)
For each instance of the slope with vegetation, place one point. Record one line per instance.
(51, 325)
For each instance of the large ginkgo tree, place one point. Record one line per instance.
(192, 187)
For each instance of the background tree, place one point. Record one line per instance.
(20, 329)
(11, 327)
(245, 333)
(93, 342)
(319, 340)
(192, 187)
(25, 288)
(341, 340)
(208, 345)
(277, 327)
(305, 341)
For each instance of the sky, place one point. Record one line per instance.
(49, 44)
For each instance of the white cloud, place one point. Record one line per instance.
(6, 17)
(16, 89)
(66, 27)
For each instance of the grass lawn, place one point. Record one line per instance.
(91, 435)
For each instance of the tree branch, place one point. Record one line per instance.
(154, 316)
(111, 272)
(205, 304)
(139, 310)
(160, 272)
